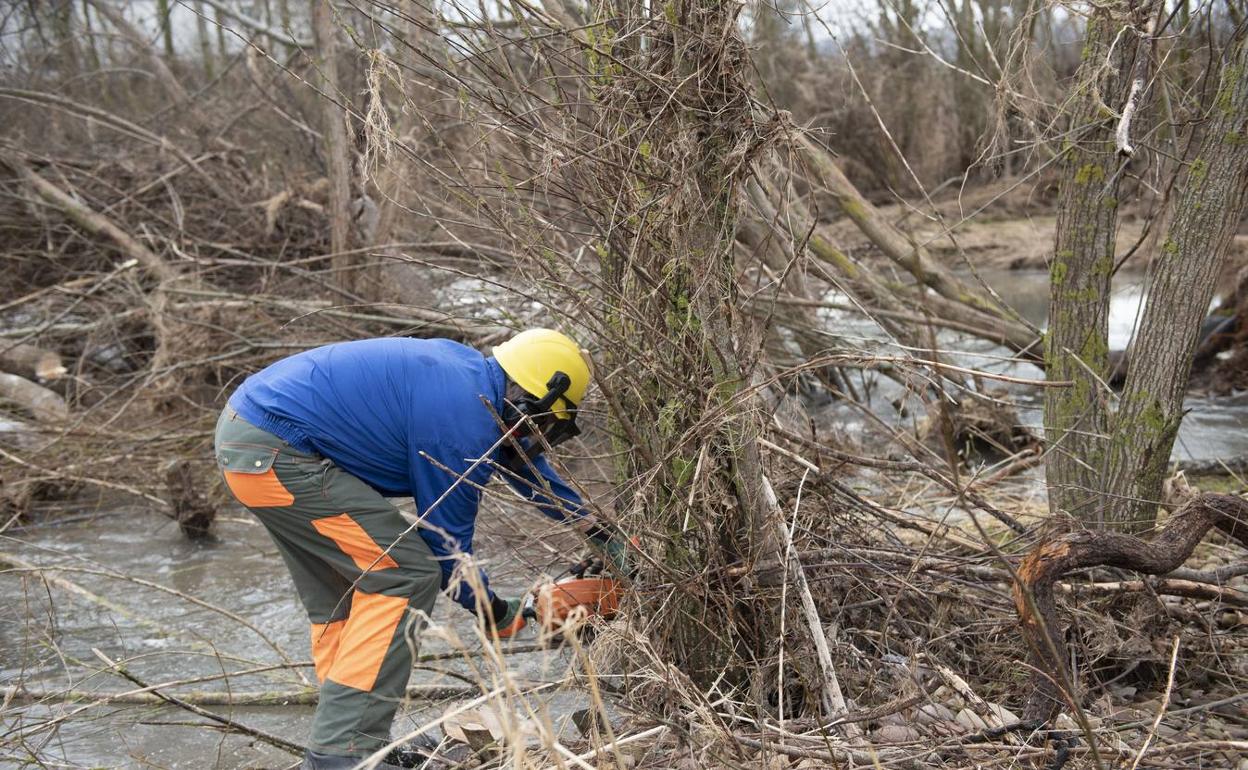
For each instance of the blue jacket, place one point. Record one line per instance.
(384, 410)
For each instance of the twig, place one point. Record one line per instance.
(268, 738)
(1161, 709)
(833, 699)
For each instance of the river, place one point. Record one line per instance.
(48, 633)
(1213, 428)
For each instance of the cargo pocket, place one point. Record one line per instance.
(248, 471)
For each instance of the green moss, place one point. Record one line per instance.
(1227, 485)
(669, 13)
(834, 256)
(1057, 275)
(1154, 419)
(727, 389)
(682, 471)
(1086, 294)
(1088, 173)
(1110, 202)
(644, 150)
(1095, 352)
(667, 422)
(1225, 100)
(1234, 138)
(1103, 266)
(1089, 40)
(1170, 248)
(1198, 171)
(853, 209)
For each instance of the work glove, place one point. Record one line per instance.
(617, 552)
(613, 554)
(512, 619)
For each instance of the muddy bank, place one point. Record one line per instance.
(1007, 225)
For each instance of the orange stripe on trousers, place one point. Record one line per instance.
(351, 538)
(325, 639)
(366, 639)
(258, 490)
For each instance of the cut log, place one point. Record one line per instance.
(41, 403)
(1052, 684)
(31, 362)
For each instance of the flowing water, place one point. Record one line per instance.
(1213, 428)
(48, 634)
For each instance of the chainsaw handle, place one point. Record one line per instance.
(583, 567)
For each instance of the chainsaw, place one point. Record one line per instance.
(580, 592)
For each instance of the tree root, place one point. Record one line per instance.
(1052, 684)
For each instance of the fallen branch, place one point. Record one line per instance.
(42, 404)
(1192, 590)
(899, 248)
(32, 362)
(149, 694)
(117, 124)
(833, 700)
(834, 754)
(1034, 595)
(100, 225)
(91, 221)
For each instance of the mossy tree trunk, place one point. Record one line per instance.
(166, 27)
(337, 143)
(689, 426)
(1106, 466)
(1077, 342)
(1181, 283)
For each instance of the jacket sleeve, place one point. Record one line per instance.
(448, 549)
(551, 494)
(448, 528)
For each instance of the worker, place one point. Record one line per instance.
(315, 443)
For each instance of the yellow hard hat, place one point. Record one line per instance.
(531, 359)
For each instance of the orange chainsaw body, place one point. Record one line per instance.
(557, 602)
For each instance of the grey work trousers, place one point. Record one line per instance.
(359, 578)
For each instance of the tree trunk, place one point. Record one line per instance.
(166, 29)
(1077, 342)
(93, 51)
(66, 37)
(1183, 277)
(337, 149)
(205, 40)
(694, 435)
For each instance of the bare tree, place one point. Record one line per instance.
(1077, 341)
(335, 117)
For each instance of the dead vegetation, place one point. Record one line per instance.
(807, 598)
